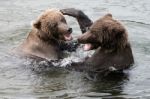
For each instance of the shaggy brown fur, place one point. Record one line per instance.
(47, 32)
(113, 51)
(109, 33)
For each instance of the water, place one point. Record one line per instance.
(19, 82)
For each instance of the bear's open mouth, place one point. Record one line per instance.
(67, 36)
(87, 47)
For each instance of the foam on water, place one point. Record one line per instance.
(18, 80)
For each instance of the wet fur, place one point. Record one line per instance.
(113, 51)
(45, 37)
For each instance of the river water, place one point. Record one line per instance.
(18, 82)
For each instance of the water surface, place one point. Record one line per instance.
(19, 82)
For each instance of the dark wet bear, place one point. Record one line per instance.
(113, 52)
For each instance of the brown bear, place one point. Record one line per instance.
(47, 33)
(110, 39)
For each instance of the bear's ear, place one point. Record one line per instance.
(37, 24)
(109, 15)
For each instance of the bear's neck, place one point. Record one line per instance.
(113, 49)
(103, 58)
(41, 48)
(48, 41)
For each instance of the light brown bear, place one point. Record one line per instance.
(47, 32)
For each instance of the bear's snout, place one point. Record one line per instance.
(86, 38)
(69, 30)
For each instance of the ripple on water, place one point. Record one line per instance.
(18, 81)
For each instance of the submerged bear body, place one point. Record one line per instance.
(48, 32)
(109, 38)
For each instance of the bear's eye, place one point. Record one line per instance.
(95, 35)
(63, 20)
(55, 25)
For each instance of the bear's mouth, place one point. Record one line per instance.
(90, 46)
(67, 36)
(87, 47)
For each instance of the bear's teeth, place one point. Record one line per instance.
(68, 37)
(87, 47)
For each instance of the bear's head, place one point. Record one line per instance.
(51, 24)
(106, 33)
